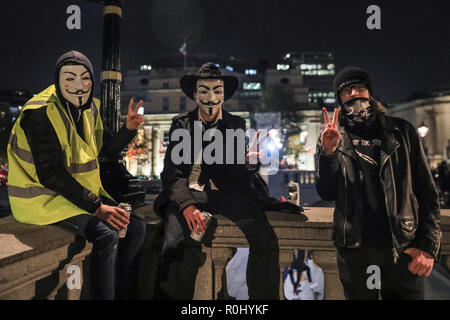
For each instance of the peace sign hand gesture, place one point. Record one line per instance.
(134, 119)
(255, 152)
(330, 135)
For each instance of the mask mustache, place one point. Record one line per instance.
(210, 103)
(78, 92)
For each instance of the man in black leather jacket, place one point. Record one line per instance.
(386, 220)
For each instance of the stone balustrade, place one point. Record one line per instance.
(35, 260)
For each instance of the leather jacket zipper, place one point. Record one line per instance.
(394, 248)
(345, 200)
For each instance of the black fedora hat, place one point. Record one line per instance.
(209, 70)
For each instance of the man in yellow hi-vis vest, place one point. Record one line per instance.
(54, 175)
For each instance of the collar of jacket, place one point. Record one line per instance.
(389, 141)
(224, 121)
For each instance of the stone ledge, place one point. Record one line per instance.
(30, 253)
(32, 257)
(293, 232)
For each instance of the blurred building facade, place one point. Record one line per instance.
(430, 109)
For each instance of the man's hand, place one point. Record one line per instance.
(254, 150)
(194, 219)
(134, 119)
(115, 216)
(422, 262)
(330, 135)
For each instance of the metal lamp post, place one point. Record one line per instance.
(118, 182)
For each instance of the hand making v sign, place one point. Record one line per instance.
(134, 119)
(330, 135)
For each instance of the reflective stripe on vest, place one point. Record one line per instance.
(82, 167)
(29, 192)
(27, 156)
(23, 154)
(35, 103)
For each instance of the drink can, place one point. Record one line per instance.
(127, 208)
(198, 237)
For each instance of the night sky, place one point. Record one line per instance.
(411, 52)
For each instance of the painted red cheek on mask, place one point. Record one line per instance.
(66, 86)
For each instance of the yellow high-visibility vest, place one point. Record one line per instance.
(30, 201)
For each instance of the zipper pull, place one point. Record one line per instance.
(395, 254)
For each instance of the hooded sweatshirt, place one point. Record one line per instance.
(74, 58)
(47, 152)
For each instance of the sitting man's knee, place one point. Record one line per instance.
(101, 235)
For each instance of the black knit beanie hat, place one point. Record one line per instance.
(350, 75)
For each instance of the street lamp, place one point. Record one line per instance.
(423, 130)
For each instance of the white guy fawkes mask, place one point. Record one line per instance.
(210, 97)
(75, 84)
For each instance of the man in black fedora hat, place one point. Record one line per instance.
(219, 188)
(386, 220)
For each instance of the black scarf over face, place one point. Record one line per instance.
(359, 113)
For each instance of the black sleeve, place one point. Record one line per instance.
(174, 179)
(113, 144)
(48, 160)
(428, 232)
(241, 173)
(327, 173)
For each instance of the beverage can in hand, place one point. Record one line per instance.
(199, 236)
(127, 208)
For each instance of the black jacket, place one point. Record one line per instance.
(411, 197)
(175, 177)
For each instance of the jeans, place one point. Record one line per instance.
(113, 260)
(358, 277)
(183, 256)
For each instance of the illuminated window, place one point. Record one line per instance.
(283, 67)
(325, 72)
(251, 86)
(146, 67)
(229, 68)
(250, 71)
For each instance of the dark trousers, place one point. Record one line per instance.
(183, 256)
(396, 281)
(113, 260)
